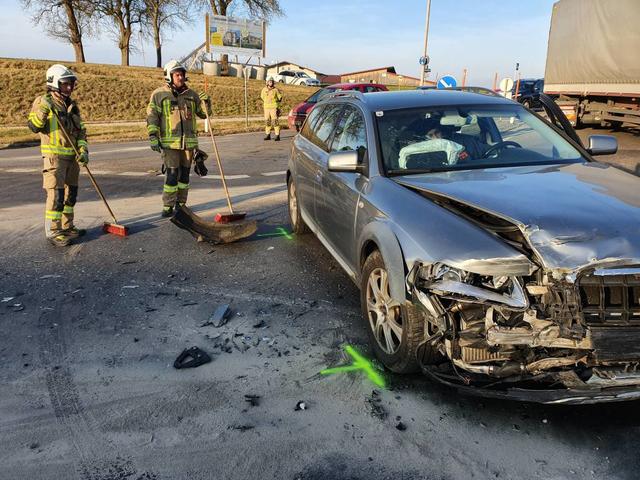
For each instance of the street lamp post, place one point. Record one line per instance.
(423, 68)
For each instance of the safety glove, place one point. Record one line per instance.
(199, 157)
(83, 156)
(154, 142)
(206, 99)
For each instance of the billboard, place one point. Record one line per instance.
(236, 36)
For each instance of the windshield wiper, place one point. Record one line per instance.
(412, 171)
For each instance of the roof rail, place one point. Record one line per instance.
(358, 95)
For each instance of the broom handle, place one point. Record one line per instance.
(91, 177)
(215, 149)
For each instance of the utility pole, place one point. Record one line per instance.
(426, 39)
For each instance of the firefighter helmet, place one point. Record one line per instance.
(57, 74)
(170, 67)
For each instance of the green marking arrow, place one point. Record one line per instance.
(359, 363)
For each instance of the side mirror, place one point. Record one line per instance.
(602, 145)
(344, 162)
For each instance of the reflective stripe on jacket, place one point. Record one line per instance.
(171, 118)
(52, 140)
(271, 98)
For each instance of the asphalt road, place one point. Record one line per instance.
(90, 333)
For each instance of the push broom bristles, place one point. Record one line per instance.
(229, 217)
(120, 230)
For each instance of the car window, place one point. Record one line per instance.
(351, 132)
(370, 88)
(466, 137)
(310, 122)
(320, 132)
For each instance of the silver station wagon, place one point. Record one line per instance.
(492, 252)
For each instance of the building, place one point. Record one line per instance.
(276, 68)
(383, 75)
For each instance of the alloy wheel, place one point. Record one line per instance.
(384, 314)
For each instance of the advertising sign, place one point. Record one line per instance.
(236, 36)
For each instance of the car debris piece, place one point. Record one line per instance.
(191, 358)
(301, 405)
(253, 400)
(219, 317)
(375, 405)
(401, 426)
(242, 428)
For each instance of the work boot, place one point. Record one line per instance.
(267, 136)
(74, 232)
(167, 211)
(277, 139)
(59, 239)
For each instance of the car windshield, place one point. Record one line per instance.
(302, 74)
(465, 137)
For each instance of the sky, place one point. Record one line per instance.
(339, 36)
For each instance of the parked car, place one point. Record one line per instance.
(296, 77)
(298, 113)
(491, 250)
(529, 92)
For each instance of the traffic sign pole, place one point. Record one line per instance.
(426, 39)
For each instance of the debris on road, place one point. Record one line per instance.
(401, 426)
(374, 403)
(253, 400)
(219, 317)
(45, 277)
(242, 428)
(6, 299)
(300, 406)
(191, 358)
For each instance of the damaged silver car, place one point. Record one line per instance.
(490, 249)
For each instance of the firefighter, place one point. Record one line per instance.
(271, 98)
(172, 128)
(62, 161)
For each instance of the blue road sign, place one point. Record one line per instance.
(447, 82)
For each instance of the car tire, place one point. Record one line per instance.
(403, 326)
(295, 218)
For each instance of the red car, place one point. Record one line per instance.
(298, 113)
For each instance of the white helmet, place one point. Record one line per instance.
(170, 67)
(59, 73)
(270, 79)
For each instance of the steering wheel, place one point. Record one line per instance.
(499, 146)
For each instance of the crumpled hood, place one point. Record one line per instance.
(573, 215)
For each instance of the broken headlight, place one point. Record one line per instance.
(453, 283)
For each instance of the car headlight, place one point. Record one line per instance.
(453, 283)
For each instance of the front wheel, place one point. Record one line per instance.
(395, 330)
(295, 218)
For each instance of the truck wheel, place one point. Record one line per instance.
(297, 223)
(395, 330)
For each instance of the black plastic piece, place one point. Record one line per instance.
(191, 358)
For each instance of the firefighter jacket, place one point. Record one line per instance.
(44, 121)
(171, 118)
(271, 98)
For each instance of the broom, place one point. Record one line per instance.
(115, 228)
(222, 217)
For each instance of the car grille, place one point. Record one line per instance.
(610, 300)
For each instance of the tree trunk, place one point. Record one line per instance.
(156, 39)
(125, 38)
(75, 36)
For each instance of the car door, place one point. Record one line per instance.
(337, 202)
(312, 151)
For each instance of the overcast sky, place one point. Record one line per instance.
(338, 36)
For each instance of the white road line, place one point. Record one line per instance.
(101, 172)
(134, 174)
(227, 177)
(273, 174)
(92, 154)
(22, 170)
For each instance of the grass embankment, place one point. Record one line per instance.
(107, 93)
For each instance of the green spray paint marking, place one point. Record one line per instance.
(280, 232)
(359, 363)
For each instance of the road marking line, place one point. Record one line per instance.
(101, 172)
(273, 174)
(227, 177)
(22, 170)
(133, 174)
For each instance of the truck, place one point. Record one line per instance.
(593, 61)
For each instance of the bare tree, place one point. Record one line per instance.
(163, 15)
(66, 20)
(264, 9)
(121, 16)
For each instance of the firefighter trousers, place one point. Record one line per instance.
(176, 184)
(60, 181)
(271, 119)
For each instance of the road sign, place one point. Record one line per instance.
(506, 84)
(447, 81)
(424, 60)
